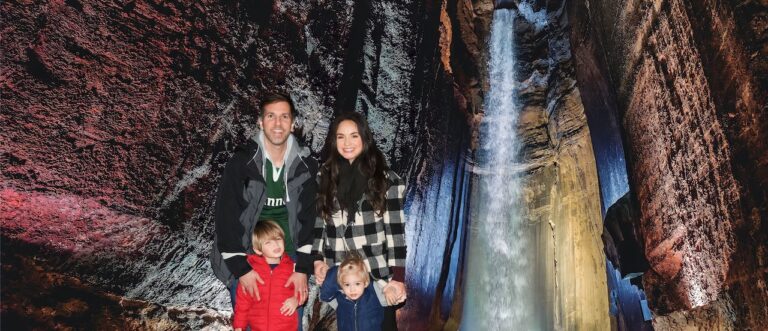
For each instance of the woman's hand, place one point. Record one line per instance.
(321, 268)
(394, 292)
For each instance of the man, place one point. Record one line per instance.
(271, 178)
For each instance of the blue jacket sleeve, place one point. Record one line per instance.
(330, 288)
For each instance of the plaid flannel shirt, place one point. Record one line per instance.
(380, 240)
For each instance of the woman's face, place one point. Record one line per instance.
(348, 141)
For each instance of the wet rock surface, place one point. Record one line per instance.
(561, 197)
(688, 80)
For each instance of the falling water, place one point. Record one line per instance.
(503, 286)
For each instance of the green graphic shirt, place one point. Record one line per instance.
(275, 209)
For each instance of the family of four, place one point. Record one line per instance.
(279, 220)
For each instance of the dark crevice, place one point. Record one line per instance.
(346, 96)
(258, 12)
(39, 70)
(160, 7)
(78, 50)
(74, 4)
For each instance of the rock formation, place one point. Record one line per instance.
(119, 116)
(561, 194)
(688, 79)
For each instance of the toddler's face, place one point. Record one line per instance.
(353, 285)
(273, 248)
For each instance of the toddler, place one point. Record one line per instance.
(349, 289)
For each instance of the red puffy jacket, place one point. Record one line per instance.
(265, 315)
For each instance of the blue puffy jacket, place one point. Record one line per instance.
(363, 314)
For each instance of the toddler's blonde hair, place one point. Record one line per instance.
(353, 263)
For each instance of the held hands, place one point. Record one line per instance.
(321, 268)
(249, 283)
(394, 292)
(289, 306)
(299, 281)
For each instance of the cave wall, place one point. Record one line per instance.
(689, 82)
(561, 193)
(119, 117)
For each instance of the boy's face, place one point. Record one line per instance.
(353, 285)
(272, 248)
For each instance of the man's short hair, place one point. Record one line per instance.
(277, 97)
(353, 264)
(266, 230)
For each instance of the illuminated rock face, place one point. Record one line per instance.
(121, 116)
(561, 192)
(118, 118)
(688, 79)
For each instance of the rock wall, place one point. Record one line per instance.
(688, 79)
(119, 117)
(562, 193)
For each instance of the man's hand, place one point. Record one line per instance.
(299, 281)
(289, 306)
(394, 292)
(249, 283)
(321, 268)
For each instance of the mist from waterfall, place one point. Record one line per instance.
(502, 283)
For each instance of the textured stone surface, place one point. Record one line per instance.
(561, 190)
(41, 299)
(120, 116)
(688, 79)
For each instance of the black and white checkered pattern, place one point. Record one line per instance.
(380, 240)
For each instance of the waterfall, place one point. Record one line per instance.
(503, 281)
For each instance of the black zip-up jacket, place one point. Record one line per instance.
(242, 196)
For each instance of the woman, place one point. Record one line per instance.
(359, 204)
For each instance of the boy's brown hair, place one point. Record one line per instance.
(353, 263)
(266, 230)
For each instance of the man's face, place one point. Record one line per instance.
(276, 122)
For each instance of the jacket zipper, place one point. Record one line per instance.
(356, 328)
(269, 300)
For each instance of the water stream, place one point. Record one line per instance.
(503, 288)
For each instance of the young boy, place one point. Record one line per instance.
(276, 309)
(356, 303)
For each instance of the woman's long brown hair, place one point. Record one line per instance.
(371, 162)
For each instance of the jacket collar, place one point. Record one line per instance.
(257, 260)
(295, 153)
